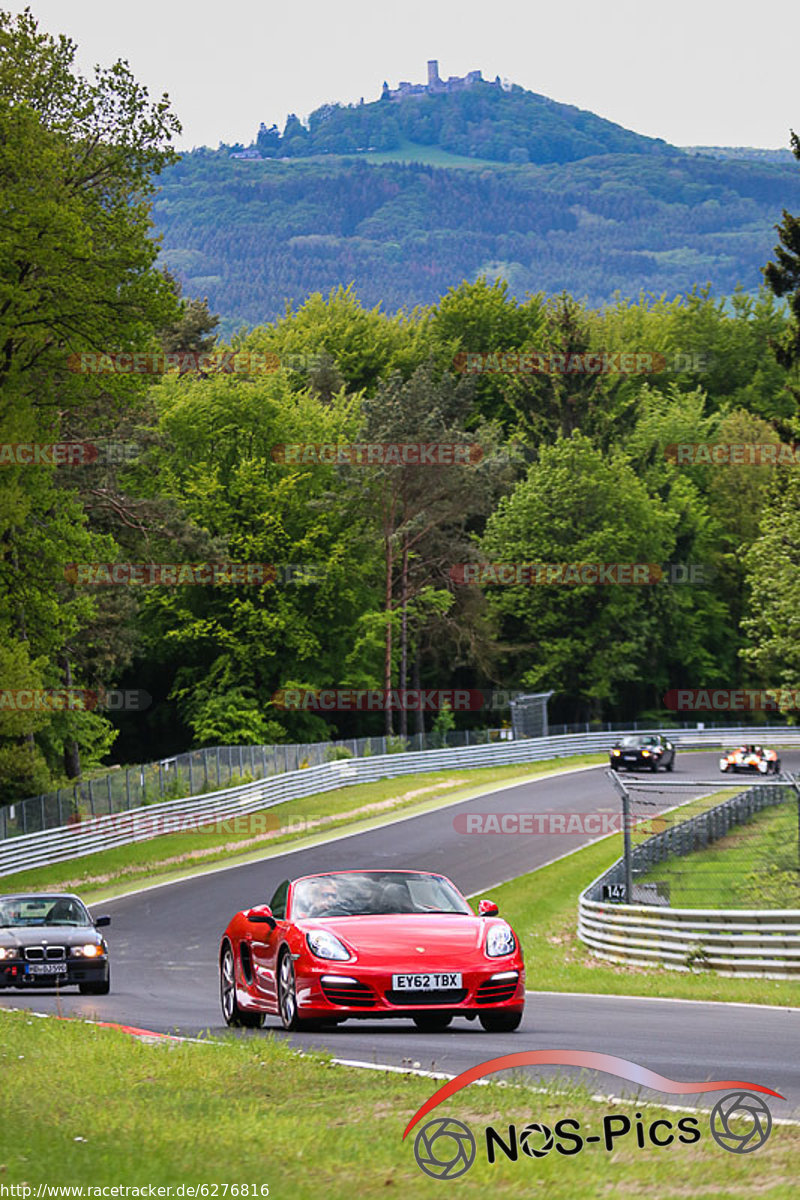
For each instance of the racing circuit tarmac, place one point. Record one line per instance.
(164, 944)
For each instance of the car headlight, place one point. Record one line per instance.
(616, 753)
(326, 945)
(500, 940)
(91, 950)
(6, 952)
(645, 754)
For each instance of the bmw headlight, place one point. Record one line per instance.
(6, 952)
(616, 753)
(326, 945)
(499, 941)
(91, 950)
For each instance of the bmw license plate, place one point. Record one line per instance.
(54, 968)
(630, 757)
(428, 981)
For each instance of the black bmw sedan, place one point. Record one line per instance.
(52, 941)
(643, 751)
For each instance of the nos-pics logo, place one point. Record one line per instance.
(445, 1148)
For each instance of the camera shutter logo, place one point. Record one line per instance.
(528, 1140)
(735, 1106)
(444, 1148)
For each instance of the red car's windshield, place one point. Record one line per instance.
(374, 893)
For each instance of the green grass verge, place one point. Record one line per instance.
(755, 866)
(93, 1107)
(248, 838)
(542, 907)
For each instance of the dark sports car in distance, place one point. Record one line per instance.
(371, 944)
(643, 751)
(52, 941)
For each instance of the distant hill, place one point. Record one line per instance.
(607, 211)
(482, 121)
(753, 153)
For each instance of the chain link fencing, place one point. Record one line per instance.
(714, 850)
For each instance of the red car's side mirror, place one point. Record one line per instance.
(261, 915)
(488, 908)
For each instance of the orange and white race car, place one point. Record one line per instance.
(751, 758)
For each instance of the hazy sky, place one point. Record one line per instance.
(694, 72)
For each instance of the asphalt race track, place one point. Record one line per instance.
(164, 944)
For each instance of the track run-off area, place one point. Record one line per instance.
(164, 943)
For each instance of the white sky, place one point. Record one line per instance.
(695, 72)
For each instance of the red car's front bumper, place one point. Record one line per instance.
(329, 989)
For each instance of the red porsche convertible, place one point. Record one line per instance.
(371, 944)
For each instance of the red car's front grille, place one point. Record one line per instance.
(405, 999)
(349, 994)
(495, 991)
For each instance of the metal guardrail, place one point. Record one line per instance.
(208, 770)
(751, 943)
(26, 851)
(213, 768)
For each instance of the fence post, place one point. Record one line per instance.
(626, 833)
(218, 779)
(191, 777)
(91, 799)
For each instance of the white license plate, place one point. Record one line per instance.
(428, 981)
(629, 757)
(54, 968)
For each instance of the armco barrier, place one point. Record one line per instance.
(27, 851)
(750, 943)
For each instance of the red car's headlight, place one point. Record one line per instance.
(325, 944)
(499, 941)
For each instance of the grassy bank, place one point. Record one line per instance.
(543, 908)
(755, 866)
(92, 1106)
(246, 838)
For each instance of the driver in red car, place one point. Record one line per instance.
(320, 897)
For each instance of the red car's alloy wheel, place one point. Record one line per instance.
(287, 996)
(227, 987)
(227, 991)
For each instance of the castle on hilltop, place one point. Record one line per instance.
(435, 86)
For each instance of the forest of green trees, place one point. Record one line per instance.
(574, 466)
(252, 235)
